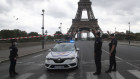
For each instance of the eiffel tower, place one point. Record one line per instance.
(78, 24)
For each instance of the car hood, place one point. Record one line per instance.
(61, 54)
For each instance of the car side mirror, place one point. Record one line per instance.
(77, 49)
(50, 50)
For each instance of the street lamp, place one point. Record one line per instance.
(129, 33)
(46, 34)
(60, 27)
(115, 30)
(43, 29)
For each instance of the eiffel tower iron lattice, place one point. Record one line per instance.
(79, 24)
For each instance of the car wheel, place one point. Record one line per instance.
(78, 63)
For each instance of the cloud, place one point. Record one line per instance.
(4, 7)
(110, 14)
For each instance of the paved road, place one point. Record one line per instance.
(32, 66)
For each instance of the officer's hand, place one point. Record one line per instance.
(15, 58)
(109, 54)
(94, 54)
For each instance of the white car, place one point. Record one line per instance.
(62, 56)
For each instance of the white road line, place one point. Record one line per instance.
(25, 76)
(91, 76)
(44, 76)
(37, 55)
(135, 73)
(71, 75)
(132, 65)
(123, 60)
(116, 56)
(116, 75)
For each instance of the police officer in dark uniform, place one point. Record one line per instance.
(112, 52)
(13, 57)
(97, 53)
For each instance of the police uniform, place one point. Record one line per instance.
(112, 57)
(13, 55)
(98, 52)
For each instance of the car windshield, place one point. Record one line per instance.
(63, 47)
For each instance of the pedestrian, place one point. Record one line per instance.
(98, 53)
(112, 53)
(13, 58)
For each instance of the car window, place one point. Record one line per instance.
(63, 47)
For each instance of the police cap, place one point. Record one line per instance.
(98, 33)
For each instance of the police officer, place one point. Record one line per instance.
(13, 57)
(97, 53)
(112, 52)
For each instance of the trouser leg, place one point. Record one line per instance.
(11, 68)
(98, 62)
(14, 66)
(112, 61)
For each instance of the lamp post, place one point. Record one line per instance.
(115, 30)
(129, 33)
(46, 35)
(60, 27)
(43, 29)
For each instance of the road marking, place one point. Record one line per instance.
(123, 60)
(19, 62)
(132, 65)
(25, 76)
(116, 75)
(44, 76)
(37, 55)
(135, 73)
(91, 76)
(116, 56)
(71, 75)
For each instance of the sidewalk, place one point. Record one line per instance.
(132, 43)
(4, 54)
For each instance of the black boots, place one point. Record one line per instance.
(96, 73)
(13, 74)
(109, 71)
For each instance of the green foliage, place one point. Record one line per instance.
(50, 38)
(33, 34)
(12, 33)
(58, 35)
(105, 36)
(120, 36)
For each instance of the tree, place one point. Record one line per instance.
(50, 38)
(33, 34)
(7, 34)
(58, 35)
(105, 36)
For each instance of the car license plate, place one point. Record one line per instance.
(58, 67)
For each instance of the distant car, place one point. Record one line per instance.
(62, 56)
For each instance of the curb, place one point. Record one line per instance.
(131, 45)
(25, 55)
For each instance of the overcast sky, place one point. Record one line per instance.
(110, 14)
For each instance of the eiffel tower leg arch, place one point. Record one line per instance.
(79, 30)
(84, 24)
